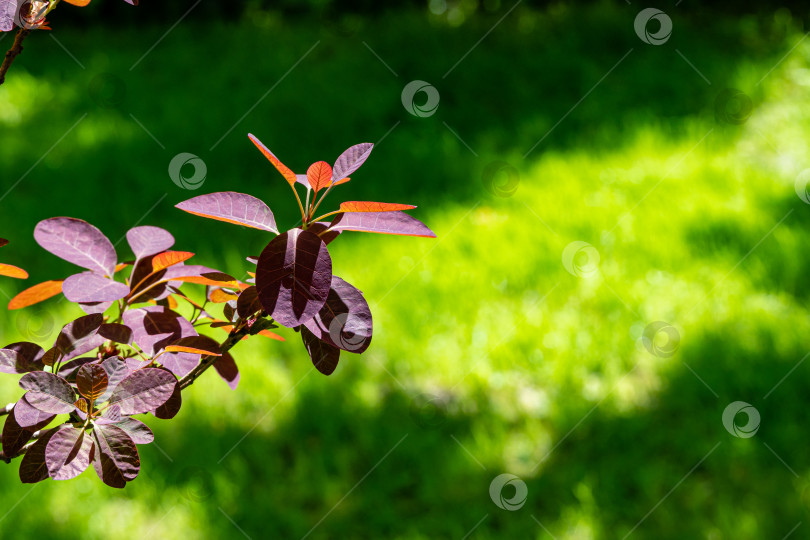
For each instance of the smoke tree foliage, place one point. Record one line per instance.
(133, 353)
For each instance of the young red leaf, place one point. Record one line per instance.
(93, 287)
(145, 241)
(91, 380)
(293, 277)
(381, 222)
(195, 345)
(78, 242)
(227, 369)
(48, 392)
(220, 296)
(68, 452)
(344, 321)
(280, 167)
(116, 459)
(143, 391)
(231, 207)
(33, 468)
(319, 175)
(3, 242)
(351, 160)
(324, 356)
(169, 258)
(367, 206)
(12, 271)
(36, 294)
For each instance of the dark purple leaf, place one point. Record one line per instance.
(344, 321)
(324, 356)
(14, 436)
(351, 160)
(231, 207)
(78, 242)
(293, 277)
(68, 452)
(79, 337)
(116, 459)
(381, 222)
(248, 303)
(137, 430)
(116, 369)
(143, 391)
(48, 392)
(69, 370)
(118, 333)
(321, 228)
(226, 368)
(91, 381)
(30, 417)
(154, 327)
(146, 285)
(92, 287)
(9, 360)
(110, 415)
(146, 241)
(33, 468)
(169, 410)
(28, 357)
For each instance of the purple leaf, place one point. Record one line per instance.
(8, 10)
(78, 242)
(110, 415)
(180, 363)
(117, 370)
(93, 287)
(14, 436)
(79, 337)
(231, 207)
(142, 279)
(293, 277)
(69, 370)
(118, 333)
(226, 368)
(28, 357)
(143, 391)
(351, 160)
(91, 308)
(30, 417)
(146, 241)
(303, 180)
(248, 303)
(137, 430)
(33, 468)
(48, 392)
(68, 452)
(321, 228)
(92, 381)
(116, 459)
(324, 356)
(169, 410)
(381, 222)
(344, 321)
(9, 362)
(155, 327)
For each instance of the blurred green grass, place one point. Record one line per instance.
(488, 356)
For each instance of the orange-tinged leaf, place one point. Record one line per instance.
(252, 274)
(12, 271)
(319, 175)
(285, 171)
(271, 335)
(121, 266)
(218, 296)
(214, 281)
(169, 258)
(342, 181)
(36, 294)
(192, 350)
(368, 206)
(80, 3)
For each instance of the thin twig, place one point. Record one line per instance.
(13, 52)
